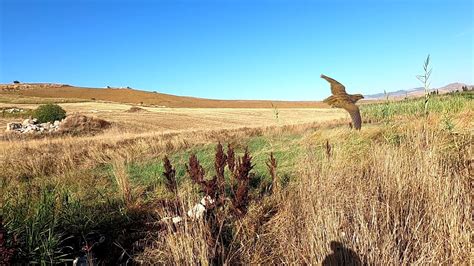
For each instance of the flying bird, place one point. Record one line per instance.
(340, 99)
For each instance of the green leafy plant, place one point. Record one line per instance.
(447, 121)
(49, 113)
(425, 79)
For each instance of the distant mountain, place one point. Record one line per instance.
(416, 91)
(399, 93)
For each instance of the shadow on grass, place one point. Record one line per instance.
(341, 255)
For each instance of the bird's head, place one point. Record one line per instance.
(357, 97)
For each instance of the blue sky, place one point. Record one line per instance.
(233, 49)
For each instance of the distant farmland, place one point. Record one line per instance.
(133, 96)
(155, 119)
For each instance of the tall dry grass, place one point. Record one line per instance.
(393, 195)
(122, 179)
(401, 203)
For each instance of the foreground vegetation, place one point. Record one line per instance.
(397, 192)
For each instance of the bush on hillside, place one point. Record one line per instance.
(49, 113)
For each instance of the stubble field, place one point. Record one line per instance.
(165, 120)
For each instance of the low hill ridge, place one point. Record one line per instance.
(133, 96)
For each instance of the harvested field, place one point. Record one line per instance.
(179, 119)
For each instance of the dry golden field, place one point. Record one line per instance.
(160, 120)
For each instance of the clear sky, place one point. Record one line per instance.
(237, 49)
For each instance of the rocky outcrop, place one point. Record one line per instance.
(74, 124)
(12, 110)
(32, 126)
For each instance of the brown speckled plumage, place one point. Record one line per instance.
(340, 99)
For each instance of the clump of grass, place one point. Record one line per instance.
(122, 180)
(34, 224)
(272, 170)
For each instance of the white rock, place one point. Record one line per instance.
(26, 122)
(197, 212)
(56, 123)
(46, 126)
(13, 110)
(174, 220)
(177, 219)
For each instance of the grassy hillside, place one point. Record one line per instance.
(142, 97)
(397, 192)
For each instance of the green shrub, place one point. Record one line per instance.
(49, 113)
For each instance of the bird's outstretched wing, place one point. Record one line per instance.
(353, 110)
(336, 87)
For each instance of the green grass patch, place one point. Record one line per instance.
(452, 103)
(285, 148)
